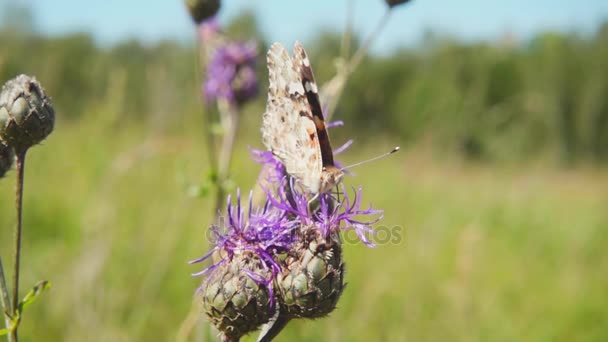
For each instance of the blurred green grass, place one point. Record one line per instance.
(486, 251)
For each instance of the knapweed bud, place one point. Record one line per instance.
(393, 3)
(234, 301)
(26, 113)
(312, 279)
(202, 9)
(6, 158)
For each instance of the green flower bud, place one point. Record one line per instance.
(393, 3)
(7, 157)
(236, 303)
(313, 276)
(26, 114)
(202, 9)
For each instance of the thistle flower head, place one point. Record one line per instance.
(332, 215)
(233, 300)
(26, 114)
(200, 10)
(231, 73)
(393, 3)
(264, 232)
(348, 214)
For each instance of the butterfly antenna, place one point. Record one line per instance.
(372, 159)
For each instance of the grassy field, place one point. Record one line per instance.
(490, 253)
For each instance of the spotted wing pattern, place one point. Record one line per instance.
(289, 127)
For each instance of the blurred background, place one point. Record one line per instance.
(499, 196)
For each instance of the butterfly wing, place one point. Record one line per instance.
(288, 127)
(301, 64)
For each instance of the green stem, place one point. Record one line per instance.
(18, 233)
(208, 117)
(4, 299)
(230, 120)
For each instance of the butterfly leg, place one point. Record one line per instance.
(310, 202)
(338, 193)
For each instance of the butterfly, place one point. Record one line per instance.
(293, 127)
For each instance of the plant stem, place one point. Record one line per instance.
(273, 328)
(340, 79)
(230, 121)
(208, 117)
(4, 299)
(18, 233)
(348, 31)
(364, 49)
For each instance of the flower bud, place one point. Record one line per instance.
(202, 9)
(313, 277)
(7, 157)
(234, 301)
(393, 3)
(26, 113)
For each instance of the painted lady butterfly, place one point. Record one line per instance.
(293, 127)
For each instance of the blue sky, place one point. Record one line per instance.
(286, 21)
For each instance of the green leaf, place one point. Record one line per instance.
(34, 293)
(3, 331)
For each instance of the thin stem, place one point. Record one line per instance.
(207, 110)
(339, 80)
(18, 232)
(364, 48)
(207, 115)
(6, 303)
(230, 119)
(348, 30)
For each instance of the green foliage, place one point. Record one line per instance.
(482, 252)
(499, 101)
(29, 298)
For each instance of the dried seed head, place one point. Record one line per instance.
(202, 9)
(393, 3)
(26, 114)
(7, 156)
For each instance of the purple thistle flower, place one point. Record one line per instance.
(343, 147)
(290, 201)
(344, 215)
(231, 73)
(337, 123)
(264, 231)
(273, 170)
(332, 216)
